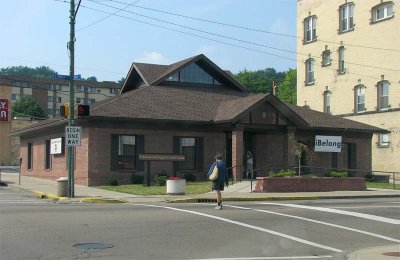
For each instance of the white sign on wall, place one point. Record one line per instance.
(73, 135)
(324, 143)
(56, 146)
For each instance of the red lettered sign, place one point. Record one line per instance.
(4, 103)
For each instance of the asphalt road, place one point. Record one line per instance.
(31, 228)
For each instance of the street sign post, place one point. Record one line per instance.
(73, 135)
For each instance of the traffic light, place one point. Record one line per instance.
(80, 110)
(83, 110)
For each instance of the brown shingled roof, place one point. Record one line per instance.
(322, 120)
(167, 103)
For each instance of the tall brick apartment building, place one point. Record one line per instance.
(50, 94)
(194, 108)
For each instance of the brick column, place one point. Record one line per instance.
(237, 151)
(288, 149)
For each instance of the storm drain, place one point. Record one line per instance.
(206, 200)
(87, 246)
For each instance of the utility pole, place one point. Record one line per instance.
(71, 122)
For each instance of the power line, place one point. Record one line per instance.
(239, 46)
(232, 38)
(198, 30)
(226, 43)
(105, 17)
(251, 29)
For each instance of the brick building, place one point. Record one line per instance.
(194, 108)
(50, 94)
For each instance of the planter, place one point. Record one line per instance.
(298, 184)
(176, 187)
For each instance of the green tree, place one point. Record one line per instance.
(92, 78)
(287, 89)
(260, 81)
(122, 80)
(24, 71)
(26, 106)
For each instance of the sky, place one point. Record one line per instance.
(35, 33)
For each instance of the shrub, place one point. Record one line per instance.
(112, 181)
(189, 176)
(309, 176)
(338, 174)
(161, 178)
(137, 179)
(282, 173)
(370, 176)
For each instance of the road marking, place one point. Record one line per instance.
(320, 222)
(249, 226)
(23, 201)
(364, 207)
(270, 258)
(338, 211)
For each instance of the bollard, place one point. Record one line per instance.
(62, 187)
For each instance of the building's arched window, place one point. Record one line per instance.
(346, 17)
(341, 69)
(359, 106)
(310, 29)
(327, 102)
(382, 12)
(310, 72)
(383, 95)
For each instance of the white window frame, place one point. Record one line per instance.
(326, 58)
(383, 93)
(341, 65)
(310, 77)
(384, 140)
(327, 102)
(346, 17)
(386, 10)
(310, 29)
(360, 92)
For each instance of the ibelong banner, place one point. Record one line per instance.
(4, 110)
(325, 143)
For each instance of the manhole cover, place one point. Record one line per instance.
(392, 254)
(93, 246)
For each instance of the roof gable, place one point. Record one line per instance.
(208, 66)
(154, 74)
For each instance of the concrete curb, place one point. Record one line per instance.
(42, 195)
(101, 200)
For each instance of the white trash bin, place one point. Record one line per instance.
(176, 187)
(62, 187)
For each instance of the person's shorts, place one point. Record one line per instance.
(216, 185)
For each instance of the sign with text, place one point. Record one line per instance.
(324, 143)
(162, 157)
(4, 110)
(73, 135)
(56, 146)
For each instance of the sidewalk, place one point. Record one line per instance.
(237, 192)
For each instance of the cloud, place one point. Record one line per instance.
(153, 57)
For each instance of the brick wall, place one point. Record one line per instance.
(265, 184)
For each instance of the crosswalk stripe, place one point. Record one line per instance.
(337, 211)
(300, 240)
(320, 222)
